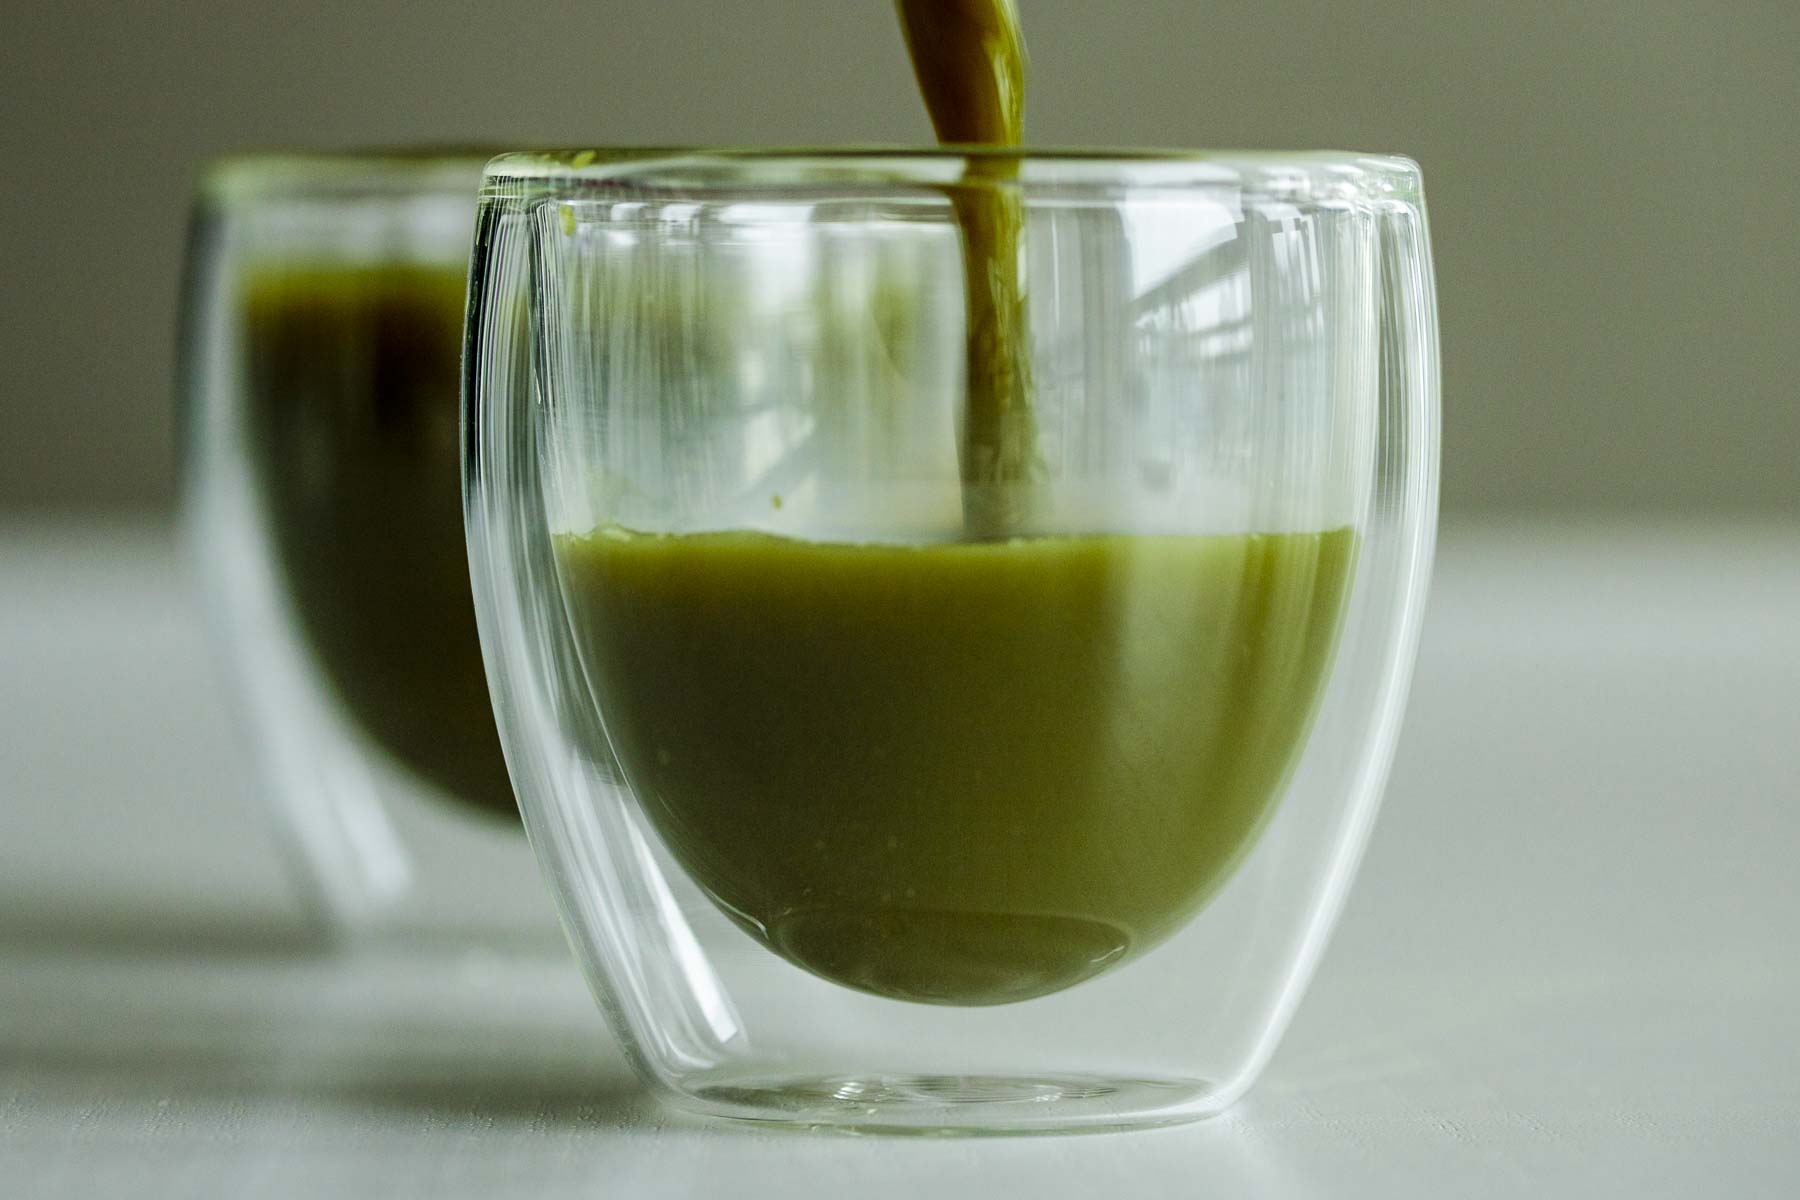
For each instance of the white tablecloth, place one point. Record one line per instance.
(1571, 965)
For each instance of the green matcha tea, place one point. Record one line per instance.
(353, 387)
(961, 773)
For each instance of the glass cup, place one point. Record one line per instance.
(915, 738)
(321, 356)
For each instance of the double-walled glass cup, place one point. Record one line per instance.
(949, 613)
(321, 353)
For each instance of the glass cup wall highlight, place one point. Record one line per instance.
(859, 814)
(322, 353)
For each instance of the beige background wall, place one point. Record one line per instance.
(1613, 184)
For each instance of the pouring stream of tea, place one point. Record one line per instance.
(969, 57)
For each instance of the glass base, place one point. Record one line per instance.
(955, 1105)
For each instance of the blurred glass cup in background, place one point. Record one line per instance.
(857, 818)
(321, 345)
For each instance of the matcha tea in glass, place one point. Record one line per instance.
(321, 355)
(949, 612)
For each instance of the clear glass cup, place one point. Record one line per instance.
(321, 358)
(863, 808)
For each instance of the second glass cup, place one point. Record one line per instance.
(917, 733)
(321, 353)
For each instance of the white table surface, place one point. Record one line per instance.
(1571, 965)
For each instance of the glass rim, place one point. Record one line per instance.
(1279, 174)
(285, 173)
